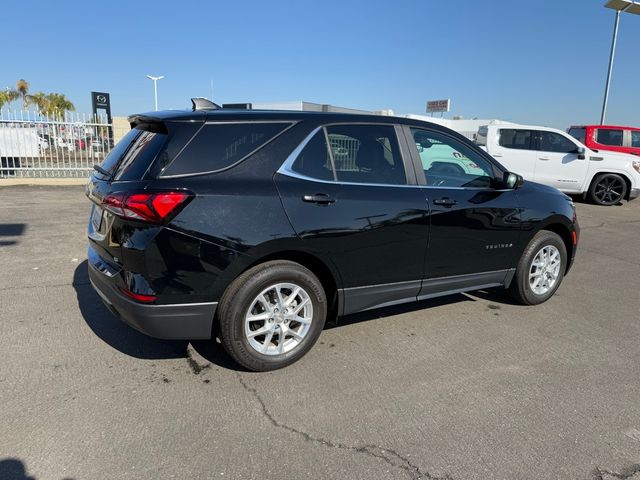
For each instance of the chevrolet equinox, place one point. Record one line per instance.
(256, 226)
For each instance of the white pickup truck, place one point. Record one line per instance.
(552, 157)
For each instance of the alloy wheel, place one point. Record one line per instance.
(278, 319)
(545, 270)
(609, 190)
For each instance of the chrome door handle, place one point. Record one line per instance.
(445, 202)
(543, 158)
(497, 154)
(319, 198)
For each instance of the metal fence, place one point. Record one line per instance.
(32, 145)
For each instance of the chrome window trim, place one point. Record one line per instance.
(285, 168)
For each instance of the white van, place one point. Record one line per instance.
(552, 157)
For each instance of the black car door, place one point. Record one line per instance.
(475, 222)
(356, 205)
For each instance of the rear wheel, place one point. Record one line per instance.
(272, 315)
(540, 270)
(608, 189)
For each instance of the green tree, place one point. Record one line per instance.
(22, 88)
(52, 105)
(7, 96)
(59, 105)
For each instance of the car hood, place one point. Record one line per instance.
(543, 189)
(614, 156)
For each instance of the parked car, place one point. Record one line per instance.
(241, 225)
(608, 137)
(65, 143)
(553, 157)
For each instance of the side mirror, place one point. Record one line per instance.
(512, 180)
(581, 153)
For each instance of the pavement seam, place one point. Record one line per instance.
(388, 455)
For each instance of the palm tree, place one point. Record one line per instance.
(41, 101)
(7, 96)
(58, 105)
(22, 87)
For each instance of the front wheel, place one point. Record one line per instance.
(608, 189)
(272, 315)
(540, 270)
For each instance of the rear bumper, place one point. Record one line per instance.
(188, 321)
(634, 193)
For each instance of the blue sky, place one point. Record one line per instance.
(542, 61)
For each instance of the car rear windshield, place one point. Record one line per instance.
(220, 145)
(133, 154)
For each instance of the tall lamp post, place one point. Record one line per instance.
(619, 6)
(155, 87)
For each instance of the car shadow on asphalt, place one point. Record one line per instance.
(129, 341)
(113, 331)
(403, 308)
(11, 230)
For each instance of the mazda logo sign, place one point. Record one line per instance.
(101, 99)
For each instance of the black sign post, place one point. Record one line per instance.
(102, 101)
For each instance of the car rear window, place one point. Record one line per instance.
(609, 136)
(217, 146)
(512, 138)
(579, 133)
(133, 154)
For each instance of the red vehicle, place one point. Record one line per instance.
(608, 137)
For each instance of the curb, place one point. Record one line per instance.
(10, 182)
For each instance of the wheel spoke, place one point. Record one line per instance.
(300, 307)
(279, 294)
(259, 317)
(292, 297)
(282, 335)
(267, 342)
(261, 331)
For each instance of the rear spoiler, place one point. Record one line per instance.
(148, 123)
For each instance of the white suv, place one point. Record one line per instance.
(552, 157)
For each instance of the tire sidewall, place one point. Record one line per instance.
(541, 241)
(245, 296)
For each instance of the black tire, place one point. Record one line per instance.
(520, 288)
(239, 297)
(608, 189)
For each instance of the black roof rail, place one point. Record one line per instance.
(201, 103)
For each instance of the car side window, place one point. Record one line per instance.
(447, 162)
(609, 136)
(635, 138)
(314, 161)
(514, 138)
(554, 142)
(366, 154)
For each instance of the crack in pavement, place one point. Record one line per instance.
(625, 474)
(388, 455)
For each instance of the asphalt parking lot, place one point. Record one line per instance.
(465, 387)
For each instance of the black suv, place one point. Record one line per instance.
(255, 226)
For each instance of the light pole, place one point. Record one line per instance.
(619, 6)
(155, 87)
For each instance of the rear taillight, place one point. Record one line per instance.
(153, 207)
(138, 297)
